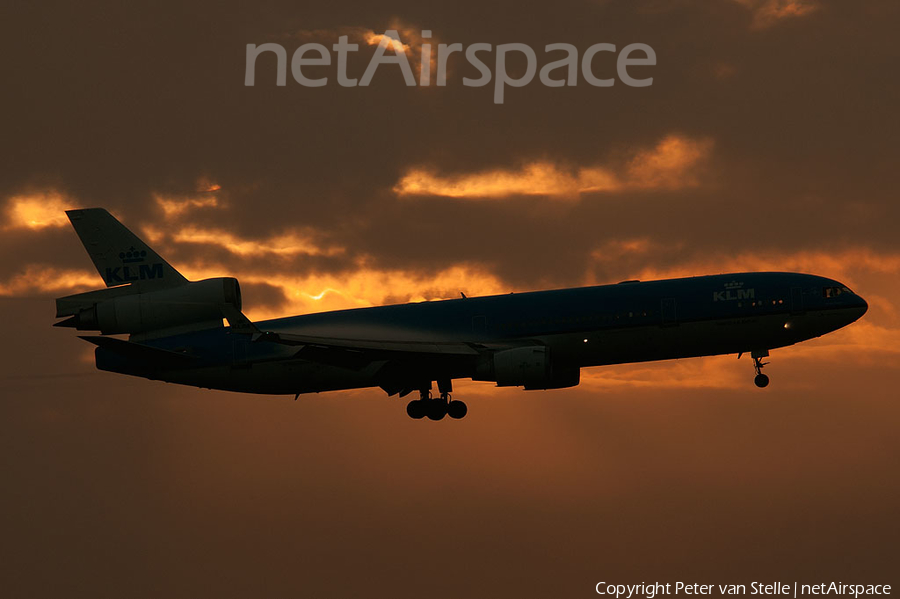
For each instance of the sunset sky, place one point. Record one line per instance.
(768, 141)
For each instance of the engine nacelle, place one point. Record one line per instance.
(198, 302)
(529, 367)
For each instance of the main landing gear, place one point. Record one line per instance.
(436, 408)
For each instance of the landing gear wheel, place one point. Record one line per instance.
(761, 380)
(457, 409)
(416, 409)
(436, 409)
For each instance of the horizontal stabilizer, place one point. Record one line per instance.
(73, 304)
(71, 322)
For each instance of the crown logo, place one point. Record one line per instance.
(733, 285)
(133, 255)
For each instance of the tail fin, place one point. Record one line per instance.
(119, 255)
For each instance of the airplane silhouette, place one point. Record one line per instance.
(535, 340)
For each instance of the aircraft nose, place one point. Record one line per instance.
(860, 307)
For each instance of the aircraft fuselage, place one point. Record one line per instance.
(581, 327)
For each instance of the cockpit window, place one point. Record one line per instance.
(835, 291)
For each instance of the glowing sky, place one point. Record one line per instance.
(768, 141)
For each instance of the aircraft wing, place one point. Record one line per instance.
(372, 346)
(401, 361)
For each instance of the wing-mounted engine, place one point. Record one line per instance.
(194, 305)
(529, 367)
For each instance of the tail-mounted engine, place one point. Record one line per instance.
(199, 304)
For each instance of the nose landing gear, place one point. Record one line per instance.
(761, 380)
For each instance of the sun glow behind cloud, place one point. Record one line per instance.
(769, 12)
(37, 211)
(361, 287)
(375, 39)
(409, 44)
(289, 244)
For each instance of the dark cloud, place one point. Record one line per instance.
(115, 485)
(156, 95)
(263, 295)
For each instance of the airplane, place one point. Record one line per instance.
(177, 329)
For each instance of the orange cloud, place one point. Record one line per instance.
(375, 39)
(863, 343)
(174, 207)
(409, 43)
(863, 336)
(713, 372)
(37, 211)
(39, 279)
(768, 12)
(873, 340)
(207, 185)
(875, 276)
(845, 265)
(672, 164)
(308, 293)
(291, 244)
(365, 287)
(536, 178)
(869, 342)
(617, 249)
